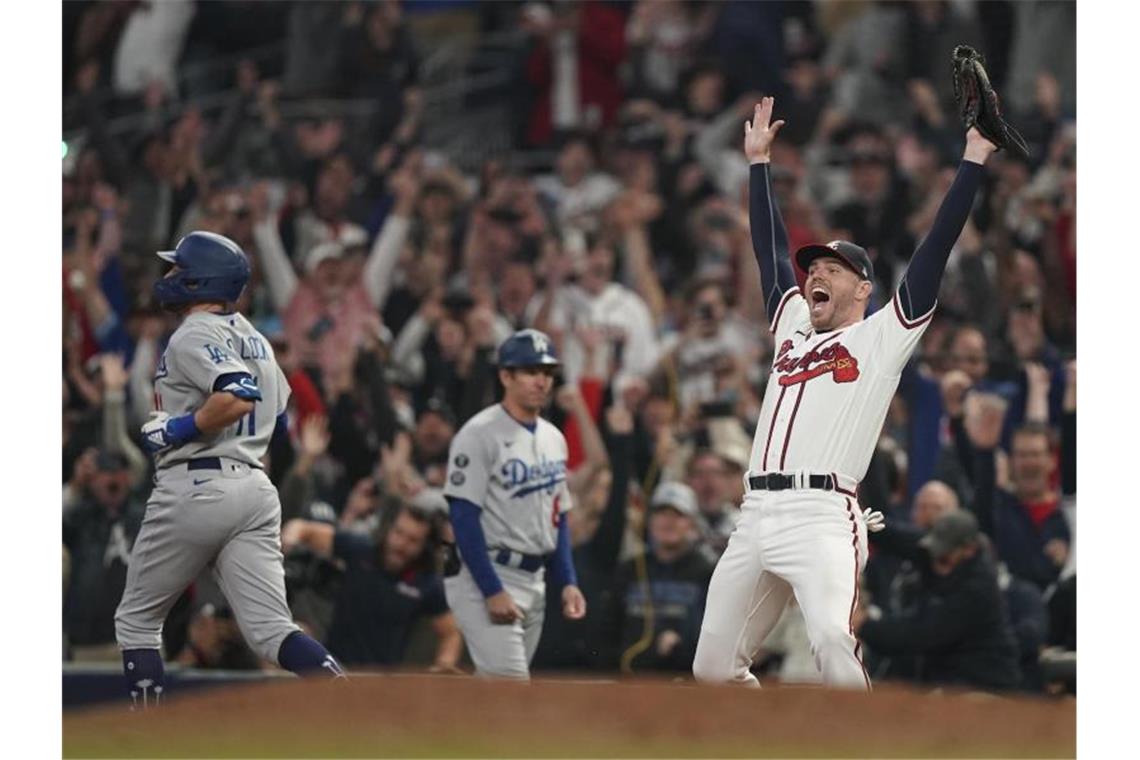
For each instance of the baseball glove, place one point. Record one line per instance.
(978, 104)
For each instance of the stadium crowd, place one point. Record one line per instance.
(386, 272)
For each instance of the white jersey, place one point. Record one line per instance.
(518, 477)
(203, 348)
(829, 392)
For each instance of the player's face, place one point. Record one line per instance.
(528, 387)
(836, 296)
(405, 541)
(1032, 463)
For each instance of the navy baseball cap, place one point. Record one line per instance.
(528, 348)
(855, 257)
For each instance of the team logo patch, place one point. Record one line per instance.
(835, 359)
(461, 461)
(458, 478)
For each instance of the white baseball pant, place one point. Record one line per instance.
(808, 542)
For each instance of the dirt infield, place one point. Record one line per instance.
(423, 716)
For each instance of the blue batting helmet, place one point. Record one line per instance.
(528, 348)
(211, 267)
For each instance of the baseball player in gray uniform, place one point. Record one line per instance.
(218, 396)
(508, 498)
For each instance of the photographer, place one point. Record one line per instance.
(960, 628)
(389, 581)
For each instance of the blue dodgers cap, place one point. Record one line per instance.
(528, 348)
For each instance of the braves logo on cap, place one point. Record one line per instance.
(833, 245)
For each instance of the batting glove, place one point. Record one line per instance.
(162, 432)
(875, 521)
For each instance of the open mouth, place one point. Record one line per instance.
(819, 297)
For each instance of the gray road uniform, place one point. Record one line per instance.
(518, 478)
(212, 505)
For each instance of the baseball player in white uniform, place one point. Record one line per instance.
(219, 396)
(833, 375)
(507, 496)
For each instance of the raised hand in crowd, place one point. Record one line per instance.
(984, 417)
(362, 501)
(1057, 550)
(114, 372)
(954, 384)
(1039, 379)
(312, 441)
(619, 420)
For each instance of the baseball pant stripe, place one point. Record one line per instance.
(855, 594)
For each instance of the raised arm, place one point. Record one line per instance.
(769, 238)
(918, 289)
(390, 242)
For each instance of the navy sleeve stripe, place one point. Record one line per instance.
(919, 289)
(910, 324)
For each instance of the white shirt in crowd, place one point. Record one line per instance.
(619, 312)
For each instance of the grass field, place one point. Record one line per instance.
(424, 716)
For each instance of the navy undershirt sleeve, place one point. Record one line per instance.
(240, 384)
(473, 545)
(769, 239)
(561, 563)
(919, 287)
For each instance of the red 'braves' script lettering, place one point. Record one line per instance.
(835, 359)
(785, 347)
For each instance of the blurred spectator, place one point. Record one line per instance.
(1028, 528)
(597, 527)
(653, 615)
(595, 300)
(99, 528)
(215, 641)
(663, 37)
(1043, 42)
(577, 191)
(578, 47)
(388, 582)
(961, 629)
(866, 60)
(150, 46)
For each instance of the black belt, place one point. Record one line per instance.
(530, 562)
(205, 463)
(775, 481)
